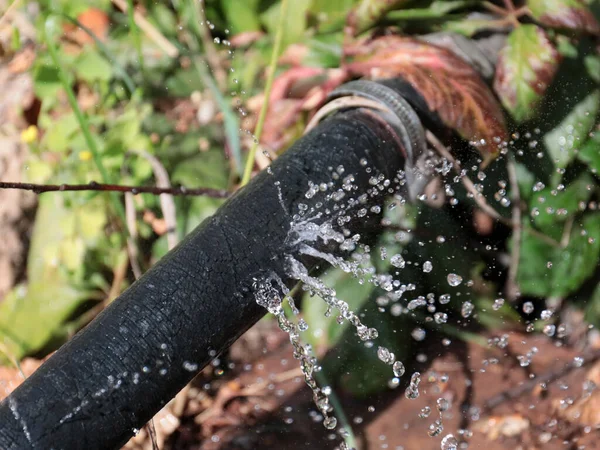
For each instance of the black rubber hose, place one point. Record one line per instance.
(114, 375)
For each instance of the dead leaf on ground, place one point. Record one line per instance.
(584, 411)
(297, 90)
(502, 426)
(95, 20)
(450, 87)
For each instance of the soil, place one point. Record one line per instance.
(262, 402)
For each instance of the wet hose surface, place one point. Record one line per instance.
(114, 375)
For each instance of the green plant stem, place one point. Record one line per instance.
(271, 76)
(135, 32)
(348, 437)
(81, 119)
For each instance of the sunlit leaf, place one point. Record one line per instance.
(295, 22)
(567, 138)
(526, 67)
(325, 332)
(437, 9)
(590, 153)
(545, 270)
(331, 14)
(34, 313)
(570, 14)
(60, 133)
(555, 207)
(90, 66)
(364, 15)
(241, 16)
(473, 25)
(451, 87)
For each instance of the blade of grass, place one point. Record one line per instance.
(271, 76)
(49, 28)
(120, 71)
(135, 32)
(230, 120)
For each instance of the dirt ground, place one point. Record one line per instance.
(496, 402)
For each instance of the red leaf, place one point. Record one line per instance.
(569, 14)
(295, 91)
(450, 86)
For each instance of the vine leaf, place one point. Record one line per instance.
(565, 142)
(364, 15)
(526, 67)
(450, 87)
(565, 14)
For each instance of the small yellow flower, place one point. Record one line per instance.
(85, 155)
(29, 135)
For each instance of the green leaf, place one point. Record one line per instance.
(437, 9)
(295, 21)
(567, 14)
(32, 314)
(592, 64)
(525, 179)
(90, 67)
(325, 332)
(554, 209)
(46, 81)
(545, 270)
(564, 141)
(331, 14)
(208, 169)
(324, 51)
(60, 133)
(368, 12)
(470, 26)
(242, 16)
(526, 67)
(590, 153)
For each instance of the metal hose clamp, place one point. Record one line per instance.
(398, 114)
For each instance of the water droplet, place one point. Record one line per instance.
(427, 266)
(330, 423)
(398, 261)
(449, 442)
(398, 368)
(454, 279)
(467, 309)
(528, 307)
(385, 355)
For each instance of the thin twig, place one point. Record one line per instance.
(478, 197)
(549, 377)
(265, 106)
(156, 36)
(167, 204)
(132, 248)
(466, 181)
(93, 186)
(566, 236)
(512, 287)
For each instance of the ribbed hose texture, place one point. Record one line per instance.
(115, 374)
